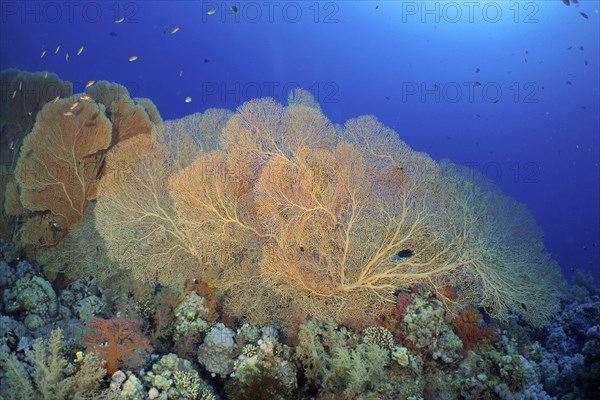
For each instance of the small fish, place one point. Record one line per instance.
(118, 21)
(234, 9)
(80, 50)
(44, 51)
(85, 97)
(20, 85)
(584, 15)
(188, 99)
(74, 106)
(387, 98)
(581, 48)
(113, 33)
(476, 84)
(569, 48)
(211, 11)
(68, 114)
(133, 58)
(181, 73)
(45, 74)
(78, 356)
(583, 107)
(206, 61)
(175, 30)
(11, 144)
(569, 83)
(90, 83)
(56, 99)
(526, 51)
(566, 2)
(57, 49)
(477, 70)
(377, 7)
(14, 94)
(29, 114)
(67, 57)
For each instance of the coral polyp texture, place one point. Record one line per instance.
(291, 212)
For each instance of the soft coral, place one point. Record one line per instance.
(117, 341)
(471, 329)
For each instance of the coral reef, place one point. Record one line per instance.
(191, 317)
(329, 362)
(392, 275)
(62, 157)
(218, 350)
(175, 378)
(59, 165)
(335, 359)
(277, 215)
(264, 370)
(425, 329)
(22, 96)
(53, 376)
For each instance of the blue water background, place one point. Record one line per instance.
(525, 127)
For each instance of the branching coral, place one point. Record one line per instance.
(135, 216)
(22, 96)
(60, 160)
(332, 221)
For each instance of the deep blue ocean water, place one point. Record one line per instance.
(509, 88)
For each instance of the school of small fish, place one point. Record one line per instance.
(233, 9)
